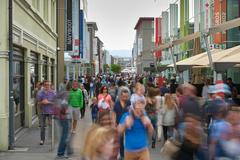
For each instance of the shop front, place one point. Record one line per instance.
(18, 88)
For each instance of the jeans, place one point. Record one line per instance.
(91, 92)
(43, 125)
(65, 138)
(167, 130)
(82, 110)
(154, 124)
(122, 146)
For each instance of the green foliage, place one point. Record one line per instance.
(105, 67)
(116, 68)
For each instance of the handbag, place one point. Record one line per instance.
(171, 147)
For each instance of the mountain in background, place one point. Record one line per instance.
(121, 53)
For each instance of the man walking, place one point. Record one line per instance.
(45, 100)
(76, 101)
(121, 107)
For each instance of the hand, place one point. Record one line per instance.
(145, 120)
(129, 122)
(45, 101)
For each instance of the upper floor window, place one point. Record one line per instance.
(36, 4)
(45, 10)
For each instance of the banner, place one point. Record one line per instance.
(81, 31)
(69, 35)
(158, 39)
(220, 8)
(184, 22)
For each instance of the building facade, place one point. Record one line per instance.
(145, 43)
(92, 29)
(35, 39)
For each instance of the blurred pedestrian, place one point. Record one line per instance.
(62, 86)
(38, 109)
(104, 99)
(191, 137)
(45, 101)
(121, 107)
(98, 86)
(152, 108)
(168, 116)
(113, 91)
(205, 89)
(85, 100)
(219, 131)
(101, 143)
(94, 109)
(64, 116)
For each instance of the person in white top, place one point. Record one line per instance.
(168, 115)
(205, 89)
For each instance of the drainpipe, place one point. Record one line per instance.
(11, 135)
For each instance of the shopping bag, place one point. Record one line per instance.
(160, 131)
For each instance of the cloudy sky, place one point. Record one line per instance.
(116, 20)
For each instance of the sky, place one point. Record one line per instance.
(116, 20)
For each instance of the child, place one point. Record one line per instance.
(94, 109)
(139, 92)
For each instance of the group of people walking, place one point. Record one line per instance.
(125, 112)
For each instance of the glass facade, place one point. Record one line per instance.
(233, 35)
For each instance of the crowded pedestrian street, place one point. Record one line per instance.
(28, 147)
(120, 79)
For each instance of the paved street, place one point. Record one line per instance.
(30, 140)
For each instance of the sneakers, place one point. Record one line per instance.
(41, 142)
(62, 157)
(153, 144)
(74, 132)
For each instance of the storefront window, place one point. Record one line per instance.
(33, 73)
(52, 71)
(45, 68)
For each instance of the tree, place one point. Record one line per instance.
(115, 68)
(105, 68)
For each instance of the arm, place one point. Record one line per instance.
(81, 98)
(120, 129)
(147, 123)
(125, 122)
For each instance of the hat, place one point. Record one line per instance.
(219, 87)
(211, 89)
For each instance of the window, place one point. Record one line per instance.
(45, 10)
(33, 73)
(36, 4)
(153, 38)
(52, 70)
(45, 68)
(53, 14)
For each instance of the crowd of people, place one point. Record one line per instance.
(129, 113)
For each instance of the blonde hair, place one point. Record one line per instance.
(169, 102)
(139, 86)
(96, 138)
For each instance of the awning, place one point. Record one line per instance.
(192, 61)
(216, 56)
(232, 59)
